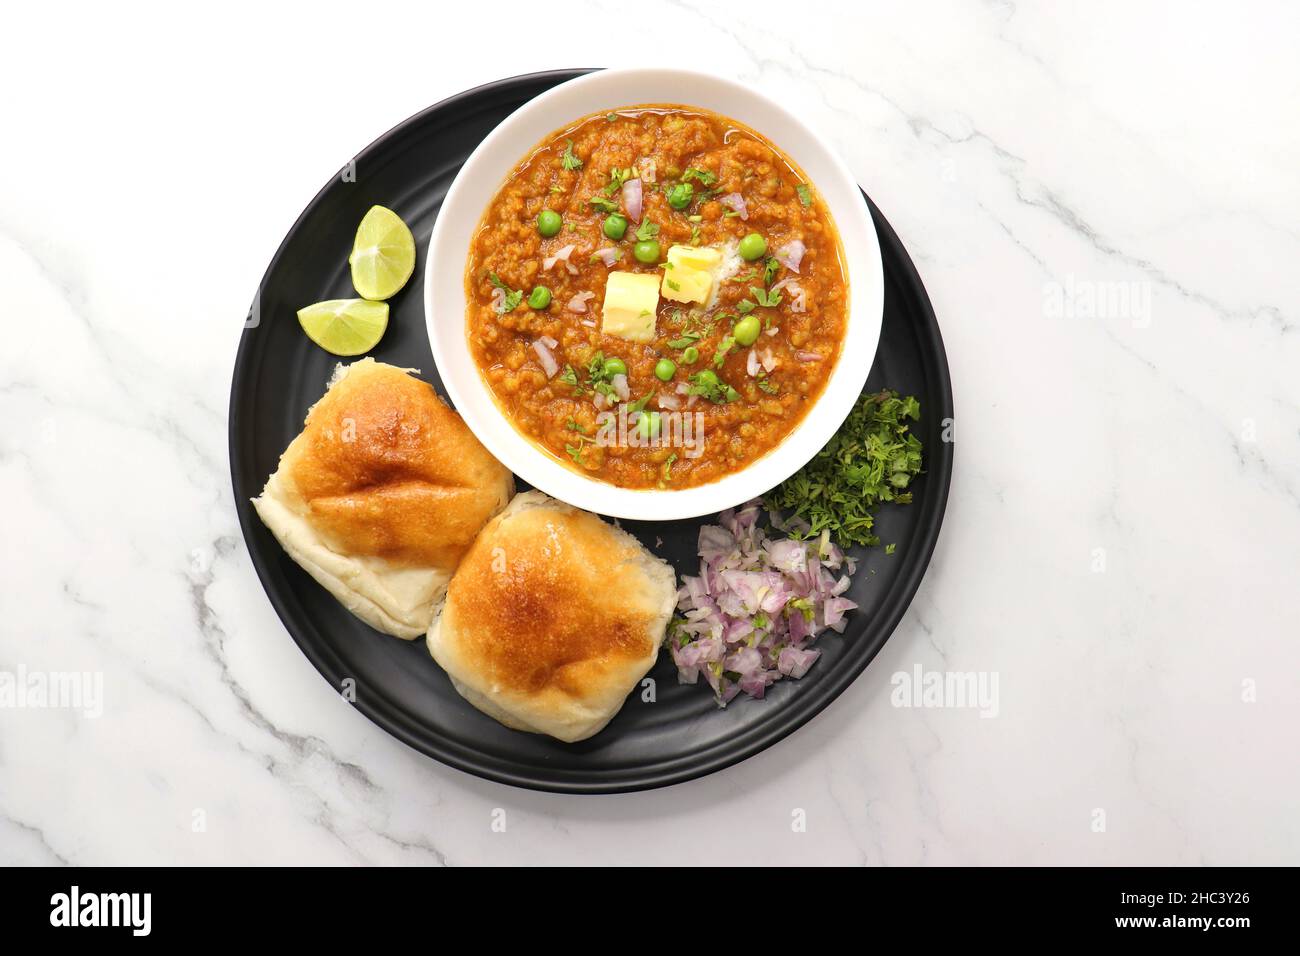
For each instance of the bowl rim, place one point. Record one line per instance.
(488, 167)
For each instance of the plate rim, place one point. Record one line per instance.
(802, 708)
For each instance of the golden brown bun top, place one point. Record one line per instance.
(552, 604)
(384, 468)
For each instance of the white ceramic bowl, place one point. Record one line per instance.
(486, 170)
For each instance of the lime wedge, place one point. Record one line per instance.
(345, 326)
(383, 254)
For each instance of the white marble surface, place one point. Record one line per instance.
(1014, 147)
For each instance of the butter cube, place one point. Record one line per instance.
(631, 301)
(687, 285)
(694, 257)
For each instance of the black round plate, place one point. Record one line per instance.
(681, 734)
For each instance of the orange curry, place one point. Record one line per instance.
(730, 306)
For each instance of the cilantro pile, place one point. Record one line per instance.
(872, 459)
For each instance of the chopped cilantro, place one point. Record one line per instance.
(890, 548)
(770, 269)
(601, 204)
(647, 230)
(570, 377)
(745, 306)
(512, 296)
(765, 298)
(767, 385)
(640, 404)
(570, 160)
(872, 459)
(702, 176)
(707, 384)
(575, 452)
(805, 194)
(668, 467)
(617, 177)
(725, 346)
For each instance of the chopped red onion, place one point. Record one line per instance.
(619, 383)
(589, 323)
(809, 357)
(790, 255)
(562, 255)
(549, 365)
(670, 402)
(769, 360)
(608, 256)
(751, 364)
(632, 199)
(736, 202)
(578, 303)
(748, 618)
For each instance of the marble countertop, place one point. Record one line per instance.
(1104, 202)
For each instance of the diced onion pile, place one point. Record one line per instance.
(749, 618)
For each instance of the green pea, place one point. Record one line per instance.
(615, 226)
(665, 369)
(615, 366)
(746, 330)
(549, 222)
(647, 251)
(539, 298)
(680, 196)
(691, 355)
(752, 247)
(708, 378)
(647, 424)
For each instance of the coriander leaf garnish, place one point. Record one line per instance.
(647, 230)
(805, 194)
(617, 177)
(708, 385)
(640, 404)
(725, 346)
(510, 301)
(668, 467)
(570, 160)
(570, 377)
(702, 176)
(765, 298)
(770, 269)
(870, 460)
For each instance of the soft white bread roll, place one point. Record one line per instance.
(382, 494)
(552, 619)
